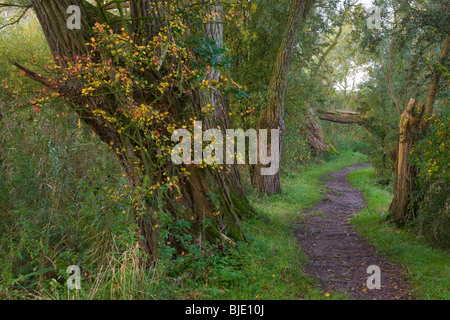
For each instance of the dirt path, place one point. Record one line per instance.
(339, 257)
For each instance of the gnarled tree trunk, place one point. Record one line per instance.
(409, 131)
(315, 134)
(413, 122)
(195, 203)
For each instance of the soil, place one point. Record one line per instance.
(339, 257)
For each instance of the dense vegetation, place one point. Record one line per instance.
(86, 176)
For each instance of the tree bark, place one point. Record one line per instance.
(405, 172)
(315, 134)
(272, 116)
(341, 116)
(197, 187)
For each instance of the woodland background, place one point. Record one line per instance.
(337, 88)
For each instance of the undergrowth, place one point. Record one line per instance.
(93, 231)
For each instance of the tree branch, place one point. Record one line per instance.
(18, 19)
(34, 75)
(434, 84)
(341, 116)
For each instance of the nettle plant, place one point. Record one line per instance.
(157, 69)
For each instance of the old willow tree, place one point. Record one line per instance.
(416, 66)
(412, 124)
(272, 116)
(134, 72)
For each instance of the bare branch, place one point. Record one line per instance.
(17, 20)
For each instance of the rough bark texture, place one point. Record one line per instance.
(341, 116)
(405, 172)
(315, 134)
(272, 117)
(195, 188)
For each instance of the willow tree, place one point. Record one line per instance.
(413, 121)
(272, 115)
(135, 72)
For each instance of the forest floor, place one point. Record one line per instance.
(339, 257)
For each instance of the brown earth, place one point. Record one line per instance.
(339, 257)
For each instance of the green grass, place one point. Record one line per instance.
(275, 251)
(269, 265)
(429, 269)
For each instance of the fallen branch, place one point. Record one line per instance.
(34, 75)
(341, 116)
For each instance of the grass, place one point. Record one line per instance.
(93, 234)
(428, 268)
(269, 265)
(272, 232)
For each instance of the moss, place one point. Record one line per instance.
(332, 148)
(236, 233)
(242, 207)
(212, 234)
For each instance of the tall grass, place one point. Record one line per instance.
(81, 224)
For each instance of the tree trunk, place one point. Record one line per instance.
(341, 116)
(412, 124)
(315, 134)
(408, 133)
(212, 202)
(272, 117)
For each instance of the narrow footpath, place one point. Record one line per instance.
(339, 257)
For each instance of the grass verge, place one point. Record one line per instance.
(278, 257)
(428, 268)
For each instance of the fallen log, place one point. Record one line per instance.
(341, 116)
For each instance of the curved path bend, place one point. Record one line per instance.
(339, 257)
